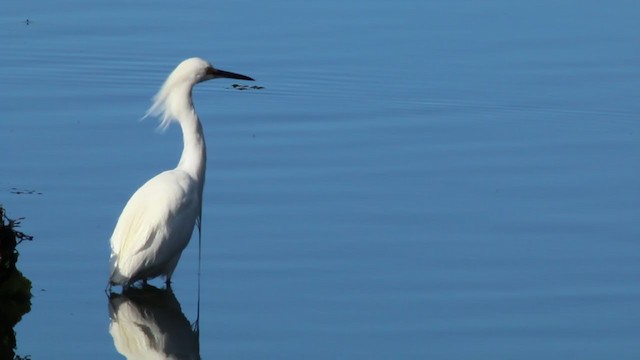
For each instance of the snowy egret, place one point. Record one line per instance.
(158, 220)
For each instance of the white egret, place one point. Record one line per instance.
(158, 220)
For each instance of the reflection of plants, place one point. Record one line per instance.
(15, 289)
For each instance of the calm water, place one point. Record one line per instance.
(418, 179)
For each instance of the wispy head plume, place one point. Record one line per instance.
(173, 98)
(160, 106)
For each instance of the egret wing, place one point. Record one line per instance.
(156, 224)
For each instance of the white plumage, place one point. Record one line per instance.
(158, 220)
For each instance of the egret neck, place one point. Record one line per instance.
(194, 153)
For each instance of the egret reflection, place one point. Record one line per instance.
(148, 323)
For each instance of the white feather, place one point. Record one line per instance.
(154, 227)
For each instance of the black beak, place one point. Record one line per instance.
(216, 73)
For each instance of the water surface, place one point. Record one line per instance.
(416, 180)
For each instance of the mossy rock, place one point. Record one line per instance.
(15, 301)
(15, 298)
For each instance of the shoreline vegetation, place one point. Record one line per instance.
(15, 288)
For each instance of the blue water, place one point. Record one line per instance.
(446, 180)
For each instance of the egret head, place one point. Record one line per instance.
(196, 70)
(175, 94)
